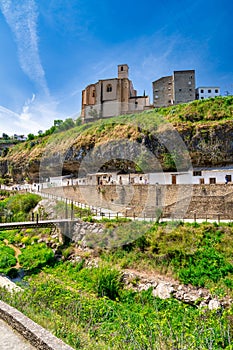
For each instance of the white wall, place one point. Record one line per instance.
(206, 93)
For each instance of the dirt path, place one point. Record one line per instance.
(152, 275)
(17, 252)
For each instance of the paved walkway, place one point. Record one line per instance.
(11, 340)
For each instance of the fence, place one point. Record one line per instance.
(105, 213)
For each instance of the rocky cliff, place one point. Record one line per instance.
(199, 133)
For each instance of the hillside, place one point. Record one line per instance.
(199, 132)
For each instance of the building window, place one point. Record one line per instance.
(180, 89)
(202, 91)
(109, 88)
(209, 91)
(197, 173)
(212, 180)
(189, 82)
(136, 104)
(201, 181)
(93, 93)
(122, 68)
(190, 89)
(216, 91)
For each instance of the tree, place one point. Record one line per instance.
(5, 136)
(31, 136)
(57, 122)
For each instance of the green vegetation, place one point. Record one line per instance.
(89, 307)
(62, 209)
(134, 127)
(209, 110)
(203, 117)
(34, 257)
(108, 283)
(66, 300)
(17, 207)
(197, 254)
(7, 258)
(80, 295)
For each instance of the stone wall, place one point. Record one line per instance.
(142, 200)
(35, 334)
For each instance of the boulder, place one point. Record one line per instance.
(214, 304)
(163, 290)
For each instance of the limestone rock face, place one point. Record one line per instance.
(205, 145)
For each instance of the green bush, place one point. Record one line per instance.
(107, 282)
(35, 257)
(206, 264)
(7, 257)
(17, 207)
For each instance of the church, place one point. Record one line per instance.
(112, 97)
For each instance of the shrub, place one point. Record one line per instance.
(7, 257)
(107, 282)
(206, 264)
(35, 257)
(18, 206)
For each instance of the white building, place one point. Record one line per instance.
(196, 176)
(204, 92)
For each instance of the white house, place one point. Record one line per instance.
(194, 176)
(204, 92)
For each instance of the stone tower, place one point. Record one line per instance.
(123, 71)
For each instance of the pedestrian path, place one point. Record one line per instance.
(11, 340)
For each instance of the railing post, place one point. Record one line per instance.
(66, 210)
(72, 210)
(195, 217)
(32, 216)
(37, 218)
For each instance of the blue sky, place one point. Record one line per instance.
(51, 49)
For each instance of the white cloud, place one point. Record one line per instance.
(35, 115)
(21, 16)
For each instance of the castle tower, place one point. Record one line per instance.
(123, 71)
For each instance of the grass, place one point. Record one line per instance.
(66, 300)
(89, 307)
(135, 127)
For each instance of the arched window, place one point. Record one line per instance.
(109, 88)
